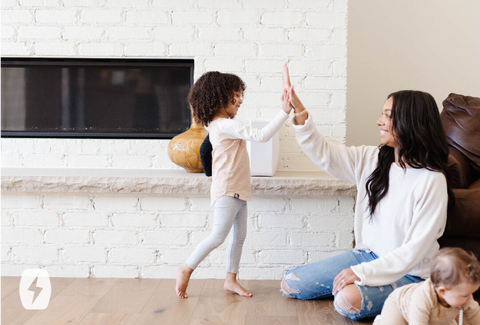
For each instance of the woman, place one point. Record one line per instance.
(401, 205)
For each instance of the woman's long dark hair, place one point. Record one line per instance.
(421, 143)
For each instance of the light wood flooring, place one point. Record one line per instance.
(153, 301)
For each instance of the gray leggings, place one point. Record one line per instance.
(229, 213)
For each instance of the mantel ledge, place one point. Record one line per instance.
(163, 182)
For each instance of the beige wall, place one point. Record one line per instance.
(428, 45)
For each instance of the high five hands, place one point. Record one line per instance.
(292, 97)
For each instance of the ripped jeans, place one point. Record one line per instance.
(315, 280)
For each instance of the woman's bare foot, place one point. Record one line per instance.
(232, 285)
(183, 276)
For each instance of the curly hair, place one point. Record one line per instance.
(452, 265)
(213, 91)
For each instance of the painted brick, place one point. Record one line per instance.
(265, 4)
(67, 202)
(305, 239)
(265, 66)
(169, 33)
(325, 51)
(231, 65)
(21, 201)
(35, 254)
(266, 34)
(101, 49)
(52, 49)
(219, 33)
(219, 4)
(127, 3)
(309, 35)
(233, 50)
(43, 160)
(132, 255)
(92, 254)
(331, 223)
(168, 4)
(6, 256)
(302, 67)
(324, 204)
(67, 236)
(344, 240)
(8, 32)
(56, 16)
(311, 5)
(147, 17)
(260, 240)
(282, 18)
(116, 203)
(11, 159)
(9, 3)
(83, 3)
(280, 50)
(269, 220)
(327, 19)
(198, 204)
(89, 220)
(40, 3)
(131, 162)
(15, 235)
(203, 17)
(164, 237)
(188, 220)
(101, 16)
(132, 220)
(238, 17)
(16, 16)
(39, 32)
(115, 237)
(160, 203)
(281, 256)
(74, 32)
(134, 33)
(36, 218)
(325, 83)
(87, 161)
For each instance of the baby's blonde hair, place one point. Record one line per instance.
(451, 266)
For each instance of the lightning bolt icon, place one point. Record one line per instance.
(36, 289)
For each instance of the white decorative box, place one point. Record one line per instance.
(263, 155)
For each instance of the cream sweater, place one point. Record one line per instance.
(230, 163)
(407, 222)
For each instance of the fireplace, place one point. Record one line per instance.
(95, 98)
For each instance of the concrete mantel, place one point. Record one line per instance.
(163, 182)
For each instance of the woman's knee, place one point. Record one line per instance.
(348, 301)
(286, 288)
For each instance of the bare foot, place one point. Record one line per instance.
(183, 276)
(233, 286)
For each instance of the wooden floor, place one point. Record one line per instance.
(153, 301)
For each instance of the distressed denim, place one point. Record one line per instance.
(315, 280)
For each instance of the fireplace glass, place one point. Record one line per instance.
(95, 98)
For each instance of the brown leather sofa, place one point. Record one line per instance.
(461, 121)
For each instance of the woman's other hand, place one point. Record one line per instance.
(344, 278)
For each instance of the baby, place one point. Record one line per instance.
(446, 295)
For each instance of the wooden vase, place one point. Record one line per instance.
(184, 149)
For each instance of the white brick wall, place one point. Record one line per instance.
(250, 38)
(83, 235)
(150, 236)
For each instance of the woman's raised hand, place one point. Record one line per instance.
(292, 95)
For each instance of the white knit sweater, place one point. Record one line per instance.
(407, 222)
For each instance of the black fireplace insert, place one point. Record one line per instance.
(95, 98)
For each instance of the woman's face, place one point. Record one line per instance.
(385, 124)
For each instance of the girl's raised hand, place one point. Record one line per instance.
(292, 96)
(286, 106)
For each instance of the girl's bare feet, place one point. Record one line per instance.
(183, 276)
(232, 285)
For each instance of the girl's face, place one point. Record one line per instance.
(385, 124)
(458, 295)
(232, 107)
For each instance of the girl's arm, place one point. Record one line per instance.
(238, 130)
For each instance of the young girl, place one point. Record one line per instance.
(215, 99)
(455, 276)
